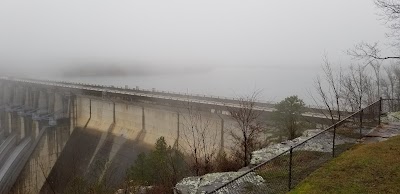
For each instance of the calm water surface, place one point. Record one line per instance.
(275, 83)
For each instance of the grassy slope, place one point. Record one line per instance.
(370, 168)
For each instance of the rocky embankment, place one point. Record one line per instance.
(208, 182)
(321, 143)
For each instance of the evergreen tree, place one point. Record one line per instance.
(162, 167)
(288, 115)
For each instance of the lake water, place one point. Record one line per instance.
(275, 83)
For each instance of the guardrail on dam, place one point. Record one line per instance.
(52, 131)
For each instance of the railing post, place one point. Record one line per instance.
(333, 141)
(290, 167)
(113, 112)
(361, 121)
(380, 110)
(90, 108)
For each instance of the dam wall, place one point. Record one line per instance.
(138, 121)
(110, 133)
(40, 161)
(31, 139)
(77, 132)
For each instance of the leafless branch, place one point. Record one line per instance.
(246, 118)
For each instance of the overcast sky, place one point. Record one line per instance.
(217, 42)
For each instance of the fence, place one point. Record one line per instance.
(284, 171)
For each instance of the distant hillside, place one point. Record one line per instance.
(96, 70)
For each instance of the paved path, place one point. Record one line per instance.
(382, 133)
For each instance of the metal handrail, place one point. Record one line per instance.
(293, 147)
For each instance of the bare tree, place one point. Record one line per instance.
(369, 52)
(376, 66)
(330, 93)
(324, 98)
(388, 82)
(396, 73)
(390, 14)
(200, 139)
(356, 86)
(246, 117)
(370, 91)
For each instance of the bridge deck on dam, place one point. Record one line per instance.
(313, 112)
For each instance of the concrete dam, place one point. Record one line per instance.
(51, 132)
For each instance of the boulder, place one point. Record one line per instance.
(209, 182)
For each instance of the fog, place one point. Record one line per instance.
(216, 47)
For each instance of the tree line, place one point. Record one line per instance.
(160, 169)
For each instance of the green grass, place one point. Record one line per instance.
(366, 168)
(276, 172)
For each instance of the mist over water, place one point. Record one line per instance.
(223, 48)
(224, 82)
